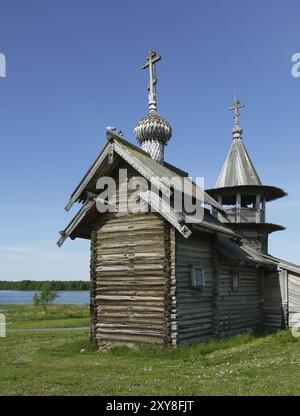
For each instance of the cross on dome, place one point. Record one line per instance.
(152, 58)
(236, 106)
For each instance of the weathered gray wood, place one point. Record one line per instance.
(93, 169)
(75, 221)
(272, 307)
(195, 250)
(238, 309)
(294, 300)
(165, 211)
(132, 268)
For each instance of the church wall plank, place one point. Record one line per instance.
(133, 274)
(241, 308)
(216, 309)
(194, 306)
(294, 300)
(272, 306)
(131, 283)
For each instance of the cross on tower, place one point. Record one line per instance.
(152, 58)
(236, 105)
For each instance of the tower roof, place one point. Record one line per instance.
(238, 172)
(238, 168)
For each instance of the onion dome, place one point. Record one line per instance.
(153, 127)
(152, 131)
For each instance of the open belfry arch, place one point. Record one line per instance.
(161, 275)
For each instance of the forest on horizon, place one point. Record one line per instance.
(37, 284)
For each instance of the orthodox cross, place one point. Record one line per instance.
(237, 104)
(152, 58)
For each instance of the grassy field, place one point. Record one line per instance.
(56, 316)
(64, 363)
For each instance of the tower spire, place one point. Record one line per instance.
(238, 169)
(152, 58)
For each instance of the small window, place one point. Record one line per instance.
(235, 280)
(197, 277)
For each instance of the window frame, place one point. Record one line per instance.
(193, 277)
(235, 275)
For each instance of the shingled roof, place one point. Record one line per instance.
(142, 162)
(157, 174)
(238, 169)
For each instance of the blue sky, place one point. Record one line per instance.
(73, 67)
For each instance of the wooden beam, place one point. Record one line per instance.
(238, 206)
(164, 209)
(75, 222)
(257, 207)
(220, 201)
(263, 210)
(80, 188)
(142, 169)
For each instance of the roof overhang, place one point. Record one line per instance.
(76, 222)
(228, 193)
(158, 175)
(81, 225)
(260, 227)
(244, 255)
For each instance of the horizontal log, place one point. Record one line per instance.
(131, 298)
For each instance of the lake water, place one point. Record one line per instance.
(71, 297)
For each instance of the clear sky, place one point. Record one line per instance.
(73, 67)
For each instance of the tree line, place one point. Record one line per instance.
(38, 284)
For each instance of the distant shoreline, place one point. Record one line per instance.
(23, 297)
(57, 285)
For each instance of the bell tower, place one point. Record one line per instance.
(240, 190)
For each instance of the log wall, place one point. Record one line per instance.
(93, 303)
(294, 300)
(217, 309)
(273, 301)
(258, 240)
(239, 309)
(133, 274)
(195, 307)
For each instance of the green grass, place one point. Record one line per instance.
(56, 316)
(53, 363)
